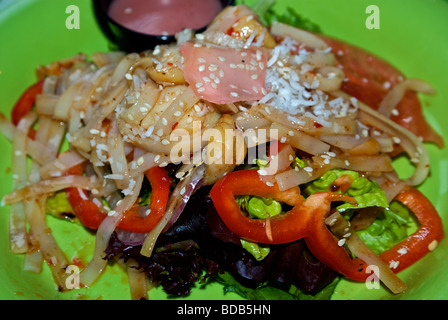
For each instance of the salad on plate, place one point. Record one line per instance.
(257, 154)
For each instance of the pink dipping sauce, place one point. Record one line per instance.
(164, 17)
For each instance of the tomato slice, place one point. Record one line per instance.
(370, 79)
(26, 102)
(91, 217)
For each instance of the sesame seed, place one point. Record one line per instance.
(394, 264)
(156, 158)
(128, 76)
(308, 169)
(234, 94)
(341, 242)
(213, 67)
(111, 213)
(140, 161)
(199, 84)
(182, 191)
(332, 221)
(222, 59)
(262, 172)
(165, 142)
(396, 140)
(269, 184)
(201, 68)
(254, 76)
(433, 245)
(143, 110)
(94, 131)
(180, 174)
(164, 121)
(365, 133)
(402, 251)
(177, 114)
(201, 89)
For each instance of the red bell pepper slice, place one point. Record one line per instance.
(425, 239)
(249, 182)
(284, 228)
(324, 244)
(307, 220)
(91, 216)
(26, 102)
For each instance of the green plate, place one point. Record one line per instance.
(412, 36)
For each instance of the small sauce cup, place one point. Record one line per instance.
(138, 25)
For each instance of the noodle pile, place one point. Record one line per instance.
(115, 114)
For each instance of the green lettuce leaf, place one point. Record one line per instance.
(265, 10)
(258, 208)
(259, 251)
(367, 193)
(393, 225)
(59, 206)
(266, 292)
